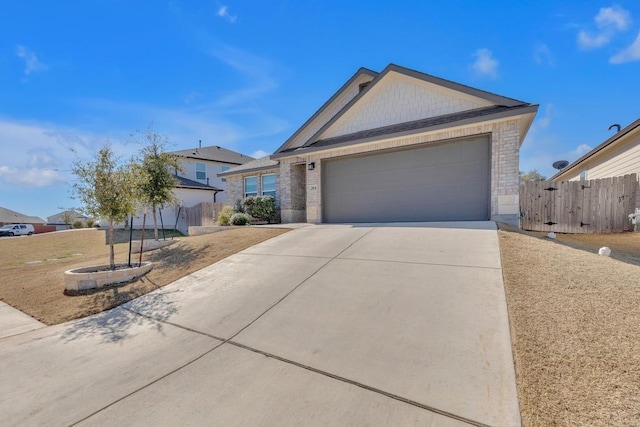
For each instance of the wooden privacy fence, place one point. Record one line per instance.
(594, 206)
(202, 214)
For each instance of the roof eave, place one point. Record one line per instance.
(245, 171)
(324, 106)
(606, 144)
(193, 187)
(526, 110)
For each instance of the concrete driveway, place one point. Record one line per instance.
(401, 324)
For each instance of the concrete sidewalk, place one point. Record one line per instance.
(14, 322)
(324, 325)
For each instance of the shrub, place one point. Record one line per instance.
(77, 224)
(240, 219)
(89, 223)
(238, 207)
(225, 215)
(262, 208)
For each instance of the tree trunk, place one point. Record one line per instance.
(144, 219)
(112, 260)
(155, 223)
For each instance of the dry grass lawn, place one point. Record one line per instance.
(31, 268)
(575, 327)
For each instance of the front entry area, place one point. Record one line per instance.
(449, 181)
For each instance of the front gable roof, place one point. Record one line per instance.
(353, 120)
(344, 94)
(214, 153)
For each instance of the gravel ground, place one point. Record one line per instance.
(575, 327)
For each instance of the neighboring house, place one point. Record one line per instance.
(198, 181)
(7, 216)
(71, 215)
(398, 145)
(617, 156)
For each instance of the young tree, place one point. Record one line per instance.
(532, 175)
(105, 187)
(67, 217)
(155, 170)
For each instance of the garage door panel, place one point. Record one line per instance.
(442, 182)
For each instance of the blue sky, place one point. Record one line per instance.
(245, 75)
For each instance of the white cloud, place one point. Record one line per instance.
(46, 153)
(609, 21)
(580, 150)
(259, 154)
(630, 54)
(542, 55)
(258, 72)
(485, 65)
(223, 12)
(613, 16)
(31, 177)
(32, 64)
(586, 41)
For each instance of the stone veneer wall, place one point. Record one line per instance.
(293, 195)
(235, 186)
(505, 147)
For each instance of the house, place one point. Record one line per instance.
(398, 145)
(617, 156)
(197, 182)
(67, 217)
(7, 216)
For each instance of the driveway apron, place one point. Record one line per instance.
(366, 324)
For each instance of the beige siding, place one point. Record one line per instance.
(399, 98)
(622, 159)
(329, 112)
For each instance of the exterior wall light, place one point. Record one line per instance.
(311, 166)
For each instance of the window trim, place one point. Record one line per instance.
(244, 187)
(205, 171)
(262, 192)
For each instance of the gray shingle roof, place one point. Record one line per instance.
(7, 216)
(214, 153)
(489, 96)
(262, 163)
(432, 122)
(189, 183)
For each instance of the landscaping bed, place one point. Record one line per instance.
(32, 268)
(574, 319)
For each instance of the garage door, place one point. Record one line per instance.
(444, 182)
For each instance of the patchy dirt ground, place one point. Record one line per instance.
(575, 330)
(31, 268)
(624, 246)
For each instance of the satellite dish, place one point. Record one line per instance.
(560, 164)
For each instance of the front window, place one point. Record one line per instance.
(201, 171)
(251, 186)
(269, 185)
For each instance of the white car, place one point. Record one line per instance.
(16, 230)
